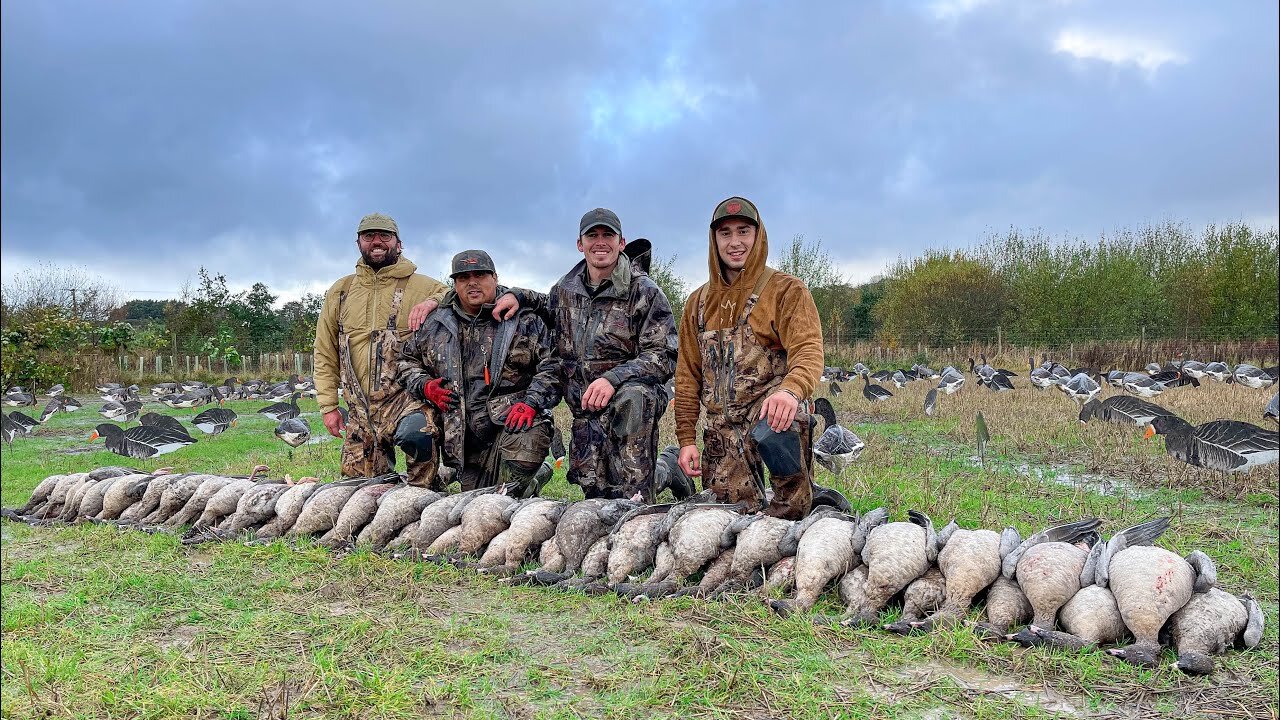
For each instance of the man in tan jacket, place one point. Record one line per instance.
(358, 336)
(751, 355)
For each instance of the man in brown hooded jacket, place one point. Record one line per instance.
(751, 354)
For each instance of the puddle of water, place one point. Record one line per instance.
(1067, 477)
(317, 439)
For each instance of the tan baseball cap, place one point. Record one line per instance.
(378, 221)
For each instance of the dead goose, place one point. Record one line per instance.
(1048, 567)
(124, 494)
(1227, 446)
(837, 447)
(1211, 623)
(970, 561)
(1150, 584)
(397, 508)
(826, 548)
(756, 541)
(175, 496)
(923, 597)
(1089, 619)
(256, 507)
(199, 499)
(451, 523)
(435, 521)
(40, 495)
(530, 523)
(88, 494)
(356, 512)
(149, 501)
(225, 501)
(693, 534)
(582, 524)
(482, 520)
(321, 510)
(633, 543)
(288, 506)
(895, 554)
(1005, 607)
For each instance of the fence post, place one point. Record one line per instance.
(999, 341)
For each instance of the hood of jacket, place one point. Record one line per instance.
(722, 300)
(401, 268)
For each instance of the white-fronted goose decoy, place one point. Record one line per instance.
(1040, 376)
(874, 392)
(162, 389)
(143, 441)
(1252, 377)
(50, 408)
(930, 401)
(293, 431)
(1123, 409)
(922, 372)
(1224, 445)
(859, 369)
(165, 421)
(1080, 388)
(951, 381)
(17, 398)
(834, 389)
(838, 446)
(56, 390)
(1273, 409)
(1000, 383)
(193, 385)
(121, 411)
(185, 400)
(1218, 371)
(214, 420)
(1142, 385)
(16, 423)
(900, 379)
(282, 410)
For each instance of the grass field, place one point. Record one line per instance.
(99, 622)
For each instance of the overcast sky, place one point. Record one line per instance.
(143, 140)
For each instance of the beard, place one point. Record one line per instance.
(393, 254)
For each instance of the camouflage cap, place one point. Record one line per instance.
(600, 216)
(472, 261)
(377, 221)
(736, 207)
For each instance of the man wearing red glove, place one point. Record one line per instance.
(473, 369)
(613, 351)
(358, 335)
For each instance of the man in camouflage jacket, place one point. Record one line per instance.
(613, 351)
(473, 368)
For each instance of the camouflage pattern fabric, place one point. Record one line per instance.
(488, 365)
(623, 331)
(613, 453)
(738, 375)
(368, 448)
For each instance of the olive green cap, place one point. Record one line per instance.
(377, 221)
(736, 207)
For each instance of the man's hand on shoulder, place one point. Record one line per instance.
(418, 314)
(506, 307)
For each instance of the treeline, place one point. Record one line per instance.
(1160, 281)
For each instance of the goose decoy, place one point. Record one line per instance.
(1193, 368)
(294, 431)
(1115, 378)
(874, 392)
(185, 400)
(121, 411)
(282, 410)
(951, 381)
(838, 446)
(1273, 409)
(143, 441)
(1123, 409)
(859, 369)
(1227, 446)
(834, 389)
(50, 408)
(162, 389)
(193, 385)
(931, 401)
(1252, 377)
(922, 372)
(1218, 371)
(214, 420)
(1142, 385)
(1153, 368)
(1000, 383)
(12, 429)
(1080, 388)
(17, 398)
(899, 379)
(56, 390)
(165, 421)
(983, 371)
(1040, 376)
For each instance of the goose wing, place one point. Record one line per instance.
(1229, 445)
(150, 440)
(1135, 410)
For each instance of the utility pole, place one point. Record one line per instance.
(73, 300)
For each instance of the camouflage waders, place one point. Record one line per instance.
(738, 375)
(368, 448)
(613, 452)
(512, 457)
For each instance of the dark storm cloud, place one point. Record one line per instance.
(144, 140)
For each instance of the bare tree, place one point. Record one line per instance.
(83, 295)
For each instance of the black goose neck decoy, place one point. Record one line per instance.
(838, 446)
(873, 392)
(282, 410)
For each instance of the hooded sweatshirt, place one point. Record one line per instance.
(366, 309)
(784, 318)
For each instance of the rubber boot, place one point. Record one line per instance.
(792, 497)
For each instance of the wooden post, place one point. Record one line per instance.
(188, 359)
(999, 341)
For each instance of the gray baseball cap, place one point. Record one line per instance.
(472, 261)
(600, 216)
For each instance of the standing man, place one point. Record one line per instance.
(751, 355)
(473, 368)
(358, 338)
(613, 350)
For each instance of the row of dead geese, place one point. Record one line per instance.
(1075, 589)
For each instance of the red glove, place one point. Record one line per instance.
(520, 417)
(440, 396)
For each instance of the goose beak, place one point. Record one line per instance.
(94, 436)
(1151, 430)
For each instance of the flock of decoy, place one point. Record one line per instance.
(1227, 446)
(158, 434)
(1065, 587)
